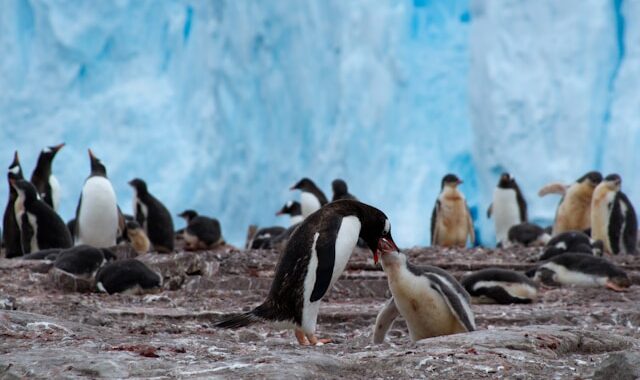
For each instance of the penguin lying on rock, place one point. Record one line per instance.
(49, 254)
(500, 286)
(430, 300)
(201, 232)
(571, 241)
(581, 269)
(129, 275)
(263, 237)
(526, 234)
(83, 260)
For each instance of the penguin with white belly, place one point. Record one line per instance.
(153, 216)
(500, 286)
(311, 197)
(508, 207)
(314, 258)
(10, 228)
(127, 276)
(40, 226)
(45, 182)
(451, 221)
(97, 216)
(526, 234)
(572, 241)
(201, 232)
(613, 218)
(430, 300)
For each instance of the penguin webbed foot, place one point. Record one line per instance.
(310, 339)
(614, 287)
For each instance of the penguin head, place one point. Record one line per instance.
(188, 215)
(139, 185)
(506, 181)
(339, 187)
(15, 170)
(24, 189)
(291, 208)
(375, 230)
(47, 154)
(613, 182)
(450, 180)
(592, 178)
(304, 184)
(97, 168)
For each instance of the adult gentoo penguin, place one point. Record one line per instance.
(340, 190)
(153, 216)
(46, 183)
(431, 301)
(451, 221)
(508, 207)
(10, 229)
(574, 209)
(314, 258)
(129, 275)
(581, 269)
(613, 219)
(500, 286)
(97, 215)
(40, 226)
(201, 232)
(311, 197)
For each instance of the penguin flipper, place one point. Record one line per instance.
(630, 232)
(552, 188)
(456, 298)
(26, 234)
(326, 253)
(434, 219)
(76, 225)
(470, 229)
(384, 320)
(490, 211)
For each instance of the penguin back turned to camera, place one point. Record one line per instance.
(127, 276)
(613, 218)
(526, 234)
(83, 260)
(508, 208)
(10, 229)
(97, 216)
(40, 226)
(311, 197)
(153, 216)
(201, 232)
(571, 241)
(432, 301)
(451, 223)
(500, 286)
(42, 178)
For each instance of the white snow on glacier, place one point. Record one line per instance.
(222, 105)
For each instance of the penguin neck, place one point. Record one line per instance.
(295, 219)
(393, 263)
(451, 193)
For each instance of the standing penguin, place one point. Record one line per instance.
(574, 209)
(613, 219)
(508, 207)
(10, 229)
(314, 258)
(40, 226)
(340, 190)
(97, 216)
(153, 216)
(451, 221)
(311, 197)
(46, 183)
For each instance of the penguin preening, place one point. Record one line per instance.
(500, 286)
(97, 214)
(153, 216)
(572, 241)
(311, 197)
(508, 207)
(451, 221)
(40, 226)
(526, 234)
(10, 228)
(127, 276)
(340, 190)
(201, 232)
(431, 301)
(574, 210)
(314, 258)
(45, 182)
(613, 218)
(581, 269)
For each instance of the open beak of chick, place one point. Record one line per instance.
(385, 245)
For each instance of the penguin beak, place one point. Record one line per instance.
(279, 213)
(91, 156)
(56, 148)
(16, 159)
(385, 245)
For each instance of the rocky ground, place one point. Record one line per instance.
(49, 331)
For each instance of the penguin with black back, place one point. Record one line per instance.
(314, 258)
(613, 218)
(500, 286)
(50, 254)
(451, 221)
(201, 232)
(508, 207)
(10, 228)
(153, 216)
(526, 234)
(40, 226)
(263, 237)
(127, 276)
(572, 241)
(83, 260)
(340, 190)
(294, 210)
(45, 182)
(97, 215)
(311, 197)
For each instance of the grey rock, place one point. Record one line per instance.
(619, 366)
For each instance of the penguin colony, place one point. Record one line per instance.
(594, 218)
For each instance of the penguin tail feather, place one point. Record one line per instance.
(241, 320)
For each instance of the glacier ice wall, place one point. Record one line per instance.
(222, 105)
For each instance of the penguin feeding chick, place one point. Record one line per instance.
(508, 207)
(201, 232)
(574, 210)
(613, 219)
(572, 241)
(581, 269)
(40, 226)
(311, 197)
(46, 183)
(314, 258)
(153, 216)
(127, 276)
(430, 300)
(451, 221)
(97, 214)
(10, 228)
(500, 286)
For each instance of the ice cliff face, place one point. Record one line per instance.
(222, 105)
